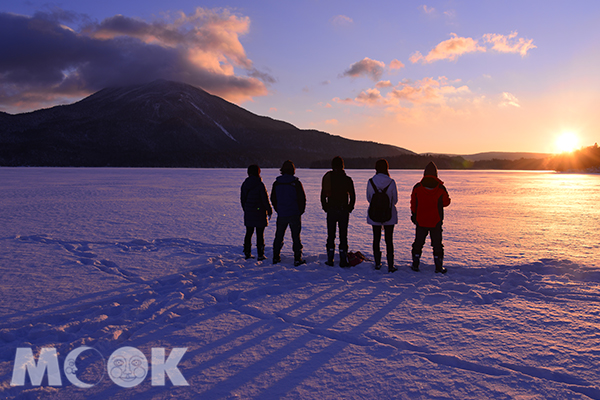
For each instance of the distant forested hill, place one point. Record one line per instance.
(587, 158)
(416, 161)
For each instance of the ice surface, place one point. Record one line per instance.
(152, 258)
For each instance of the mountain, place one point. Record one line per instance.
(166, 124)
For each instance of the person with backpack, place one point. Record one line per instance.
(337, 199)
(382, 195)
(256, 206)
(427, 202)
(289, 200)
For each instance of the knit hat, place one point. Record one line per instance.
(288, 168)
(431, 170)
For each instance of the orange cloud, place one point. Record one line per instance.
(426, 91)
(509, 99)
(455, 47)
(210, 37)
(383, 84)
(347, 100)
(427, 10)
(449, 49)
(395, 64)
(324, 105)
(508, 44)
(450, 14)
(369, 97)
(342, 20)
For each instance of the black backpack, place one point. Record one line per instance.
(380, 209)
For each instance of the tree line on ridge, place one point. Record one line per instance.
(584, 159)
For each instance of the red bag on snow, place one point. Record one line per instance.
(355, 258)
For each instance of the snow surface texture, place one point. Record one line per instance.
(153, 258)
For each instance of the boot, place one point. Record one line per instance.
(344, 259)
(247, 253)
(330, 255)
(439, 264)
(298, 259)
(247, 247)
(276, 256)
(390, 260)
(261, 253)
(377, 256)
(416, 262)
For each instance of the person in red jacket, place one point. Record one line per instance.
(427, 202)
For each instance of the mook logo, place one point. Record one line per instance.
(126, 366)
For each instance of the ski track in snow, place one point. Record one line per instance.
(215, 122)
(359, 308)
(225, 131)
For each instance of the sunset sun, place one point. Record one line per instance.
(566, 142)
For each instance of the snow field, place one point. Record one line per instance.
(93, 273)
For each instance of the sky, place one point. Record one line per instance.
(457, 77)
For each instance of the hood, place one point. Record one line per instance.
(431, 181)
(431, 170)
(286, 178)
(381, 180)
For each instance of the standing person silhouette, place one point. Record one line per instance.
(427, 202)
(381, 215)
(255, 202)
(337, 199)
(289, 200)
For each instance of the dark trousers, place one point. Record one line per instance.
(295, 225)
(337, 218)
(389, 242)
(260, 239)
(436, 240)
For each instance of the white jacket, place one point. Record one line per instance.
(381, 181)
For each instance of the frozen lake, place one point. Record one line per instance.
(496, 217)
(152, 258)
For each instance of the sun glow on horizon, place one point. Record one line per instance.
(566, 142)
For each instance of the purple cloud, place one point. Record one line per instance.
(43, 62)
(366, 67)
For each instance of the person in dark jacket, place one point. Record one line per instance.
(257, 211)
(427, 202)
(337, 199)
(289, 200)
